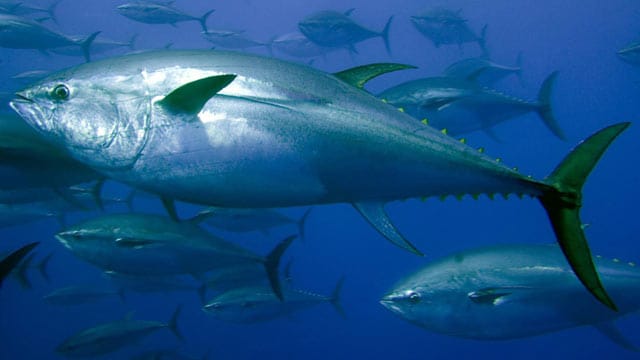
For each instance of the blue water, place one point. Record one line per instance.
(594, 89)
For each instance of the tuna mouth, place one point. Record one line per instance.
(22, 98)
(389, 302)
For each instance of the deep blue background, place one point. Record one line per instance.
(594, 89)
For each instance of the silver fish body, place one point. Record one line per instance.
(461, 106)
(335, 29)
(258, 304)
(238, 130)
(509, 291)
(280, 134)
(157, 13)
(21, 33)
(139, 244)
(113, 336)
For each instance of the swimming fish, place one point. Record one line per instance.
(511, 291)
(447, 27)
(239, 130)
(335, 29)
(150, 12)
(461, 105)
(112, 336)
(257, 304)
(139, 244)
(21, 33)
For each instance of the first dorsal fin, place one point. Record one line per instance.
(359, 75)
(191, 97)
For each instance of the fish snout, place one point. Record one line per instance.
(22, 96)
(392, 302)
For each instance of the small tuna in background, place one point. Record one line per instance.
(113, 336)
(229, 39)
(483, 70)
(22, 33)
(257, 304)
(248, 220)
(338, 30)
(447, 27)
(461, 106)
(157, 13)
(512, 291)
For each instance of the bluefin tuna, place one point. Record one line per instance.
(334, 29)
(80, 294)
(461, 106)
(112, 336)
(158, 13)
(139, 244)
(299, 46)
(239, 130)
(20, 33)
(447, 27)
(99, 46)
(511, 291)
(228, 39)
(20, 8)
(248, 220)
(483, 70)
(257, 304)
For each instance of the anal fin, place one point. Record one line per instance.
(374, 213)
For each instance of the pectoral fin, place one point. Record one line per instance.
(374, 213)
(359, 75)
(191, 97)
(133, 243)
(610, 330)
(495, 295)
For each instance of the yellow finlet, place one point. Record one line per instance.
(615, 260)
(444, 131)
(443, 197)
(384, 100)
(631, 263)
(475, 196)
(425, 121)
(401, 109)
(459, 197)
(498, 160)
(481, 150)
(463, 140)
(505, 196)
(491, 196)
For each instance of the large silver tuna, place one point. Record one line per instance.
(238, 130)
(511, 291)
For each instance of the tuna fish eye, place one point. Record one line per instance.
(414, 298)
(61, 92)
